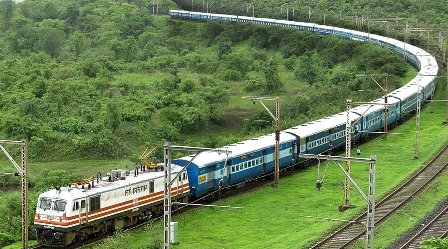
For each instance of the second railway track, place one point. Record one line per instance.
(435, 225)
(351, 232)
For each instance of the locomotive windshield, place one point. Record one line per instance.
(59, 205)
(45, 203)
(56, 205)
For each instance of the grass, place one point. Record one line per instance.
(287, 217)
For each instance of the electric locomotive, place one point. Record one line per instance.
(121, 199)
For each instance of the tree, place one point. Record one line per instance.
(273, 83)
(51, 36)
(22, 35)
(77, 43)
(6, 12)
(114, 115)
(224, 48)
(306, 69)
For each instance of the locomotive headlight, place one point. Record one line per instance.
(57, 235)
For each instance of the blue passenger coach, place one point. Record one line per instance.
(210, 170)
(255, 157)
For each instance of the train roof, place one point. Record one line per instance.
(104, 185)
(237, 149)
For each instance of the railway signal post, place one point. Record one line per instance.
(24, 174)
(369, 198)
(168, 182)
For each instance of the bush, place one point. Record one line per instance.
(254, 82)
(6, 239)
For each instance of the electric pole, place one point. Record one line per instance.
(24, 175)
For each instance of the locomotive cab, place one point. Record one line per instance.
(53, 208)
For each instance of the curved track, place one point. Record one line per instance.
(349, 233)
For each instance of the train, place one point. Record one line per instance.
(65, 215)
(120, 199)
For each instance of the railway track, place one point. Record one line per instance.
(434, 226)
(346, 235)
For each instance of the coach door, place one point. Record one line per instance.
(219, 175)
(83, 216)
(265, 159)
(228, 171)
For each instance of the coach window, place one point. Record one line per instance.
(95, 203)
(151, 187)
(75, 205)
(83, 204)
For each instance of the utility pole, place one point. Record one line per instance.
(248, 6)
(417, 122)
(168, 182)
(385, 93)
(276, 119)
(369, 198)
(348, 144)
(418, 111)
(348, 128)
(24, 174)
(446, 96)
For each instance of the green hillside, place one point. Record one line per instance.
(95, 79)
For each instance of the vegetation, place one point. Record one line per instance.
(84, 79)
